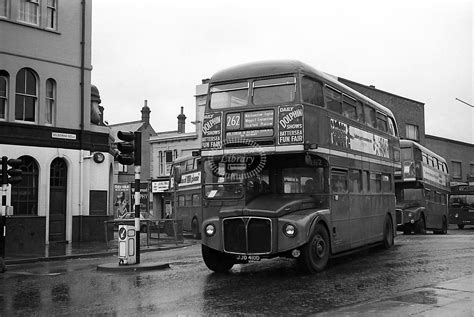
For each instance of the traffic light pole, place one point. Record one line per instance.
(3, 227)
(138, 163)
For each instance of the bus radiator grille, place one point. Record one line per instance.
(247, 235)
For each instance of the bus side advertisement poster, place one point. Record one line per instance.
(212, 131)
(290, 125)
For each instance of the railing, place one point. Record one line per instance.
(162, 230)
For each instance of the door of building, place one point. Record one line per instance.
(57, 201)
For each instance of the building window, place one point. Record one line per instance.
(50, 101)
(29, 11)
(412, 132)
(24, 198)
(26, 95)
(3, 8)
(51, 9)
(161, 163)
(3, 95)
(456, 170)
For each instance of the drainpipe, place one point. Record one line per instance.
(82, 100)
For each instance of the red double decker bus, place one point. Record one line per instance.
(295, 164)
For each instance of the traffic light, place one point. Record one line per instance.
(12, 175)
(126, 148)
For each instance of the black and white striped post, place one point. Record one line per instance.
(138, 163)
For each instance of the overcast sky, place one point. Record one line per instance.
(160, 51)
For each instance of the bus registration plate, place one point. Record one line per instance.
(248, 258)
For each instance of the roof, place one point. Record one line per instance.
(282, 67)
(407, 143)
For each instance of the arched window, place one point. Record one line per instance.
(26, 95)
(3, 94)
(50, 101)
(24, 197)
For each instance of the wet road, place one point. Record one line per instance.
(269, 287)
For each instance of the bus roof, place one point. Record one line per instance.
(408, 143)
(285, 67)
(183, 158)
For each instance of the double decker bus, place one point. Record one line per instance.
(295, 164)
(461, 205)
(185, 173)
(422, 189)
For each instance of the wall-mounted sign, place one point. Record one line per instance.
(59, 135)
(159, 186)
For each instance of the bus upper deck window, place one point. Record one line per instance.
(274, 91)
(391, 126)
(333, 100)
(349, 107)
(369, 116)
(312, 91)
(382, 122)
(229, 95)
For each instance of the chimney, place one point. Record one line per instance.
(146, 113)
(181, 122)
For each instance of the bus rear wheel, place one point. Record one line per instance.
(388, 236)
(444, 227)
(216, 261)
(420, 227)
(461, 226)
(315, 253)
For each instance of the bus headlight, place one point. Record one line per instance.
(289, 230)
(456, 215)
(410, 215)
(210, 230)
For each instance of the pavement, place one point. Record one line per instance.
(64, 251)
(450, 298)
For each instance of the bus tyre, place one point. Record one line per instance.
(315, 254)
(461, 226)
(216, 261)
(420, 227)
(388, 236)
(195, 229)
(444, 228)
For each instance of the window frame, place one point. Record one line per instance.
(52, 21)
(412, 132)
(24, 7)
(50, 102)
(4, 98)
(25, 96)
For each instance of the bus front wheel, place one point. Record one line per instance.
(216, 261)
(315, 253)
(460, 226)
